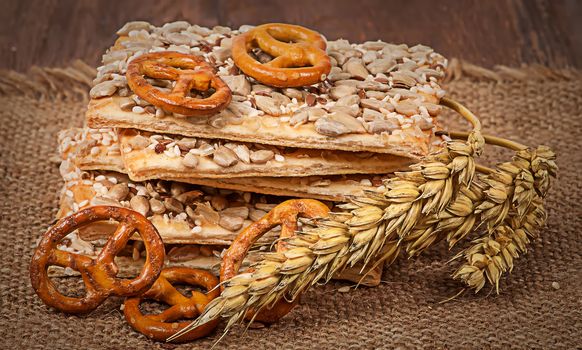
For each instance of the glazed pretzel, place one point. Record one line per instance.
(299, 55)
(98, 274)
(190, 73)
(161, 326)
(284, 214)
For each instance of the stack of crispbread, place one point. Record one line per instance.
(202, 179)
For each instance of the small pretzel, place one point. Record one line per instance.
(299, 55)
(284, 214)
(98, 274)
(161, 326)
(190, 73)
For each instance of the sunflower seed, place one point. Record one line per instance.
(382, 65)
(432, 108)
(224, 157)
(104, 89)
(371, 115)
(135, 25)
(280, 99)
(378, 126)
(261, 156)
(395, 52)
(256, 214)
(190, 160)
(315, 113)
(98, 200)
(189, 197)
(293, 93)
(299, 117)
(238, 84)
(377, 95)
(268, 105)
(356, 68)
(222, 53)
(348, 82)
(118, 191)
(338, 92)
(139, 142)
(179, 39)
(353, 125)
(352, 110)
(242, 212)
(348, 100)
(265, 206)
(205, 149)
(242, 152)
(183, 253)
(376, 105)
(402, 80)
(407, 108)
(372, 85)
(231, 223)
(140, 204)
(369, 56)
(186, 143)
(339, 57)
(157, 206)
(338, 76)
(217, 121)
(176, 26)
(374, 45)
(126, 104)
(424, 123)
(173, 205)
(261, 89)
(218, 202)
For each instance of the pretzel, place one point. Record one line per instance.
(299, 55)
(99, 274)
(161, 326)
(189, 71)
(284, 214)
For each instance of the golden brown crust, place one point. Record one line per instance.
(161, 326)
(299, 57)
(195, 74)
(99, 275)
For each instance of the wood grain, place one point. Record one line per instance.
(549, 32)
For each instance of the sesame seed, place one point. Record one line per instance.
(196, 229)
(279, 158)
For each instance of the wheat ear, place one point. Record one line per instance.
(523, 183)
(371, 229)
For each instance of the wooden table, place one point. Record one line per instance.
(549, 32)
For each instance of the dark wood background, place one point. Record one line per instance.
(549, 32)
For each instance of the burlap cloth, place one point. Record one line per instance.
(531, 105)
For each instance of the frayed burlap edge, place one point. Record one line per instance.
(74, 81)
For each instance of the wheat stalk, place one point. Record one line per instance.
(371, 229)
